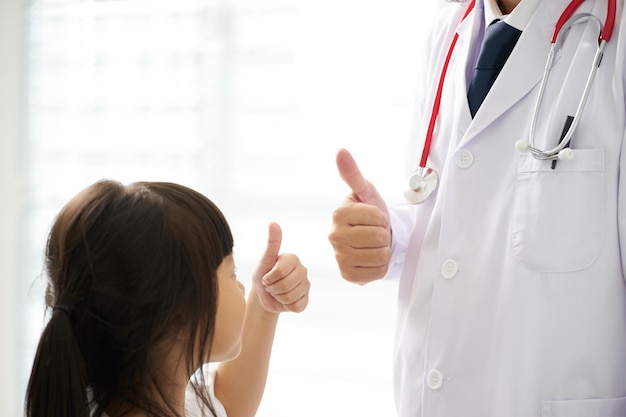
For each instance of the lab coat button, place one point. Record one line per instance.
(464, 159)
(434, 379)
(449, 269)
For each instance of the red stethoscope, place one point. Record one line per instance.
(423, 181)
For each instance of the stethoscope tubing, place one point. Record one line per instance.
(609, 21)
(437, 102)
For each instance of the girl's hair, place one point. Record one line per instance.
(128, 266)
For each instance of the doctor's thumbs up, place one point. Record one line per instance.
(281, 281)
(361, 232)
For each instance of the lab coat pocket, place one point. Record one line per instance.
(558, 215)
(606, 407)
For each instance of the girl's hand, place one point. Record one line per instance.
(281, 280)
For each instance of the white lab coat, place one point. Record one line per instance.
(512, 297)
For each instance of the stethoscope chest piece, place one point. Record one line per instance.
(422, 183)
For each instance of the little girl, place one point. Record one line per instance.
(143, 292)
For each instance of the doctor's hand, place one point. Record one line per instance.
(280, 280)
(361, 232)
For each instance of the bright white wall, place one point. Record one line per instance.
(10, 85)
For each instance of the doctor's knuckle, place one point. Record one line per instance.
(341, 213)
(382, 255)
(338, 236)
(350, 274)
(380, 237)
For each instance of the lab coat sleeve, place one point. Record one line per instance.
(401, 218)
(621, 203)
(621, 190)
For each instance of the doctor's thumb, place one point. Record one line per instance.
(363, 191)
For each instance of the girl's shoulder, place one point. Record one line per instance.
(204, 378)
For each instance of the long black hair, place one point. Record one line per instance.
(128, 266)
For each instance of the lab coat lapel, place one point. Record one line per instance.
(469, 31)
(522, 71)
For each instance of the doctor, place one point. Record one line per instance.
(512, 292)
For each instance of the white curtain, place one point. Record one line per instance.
(246, 101)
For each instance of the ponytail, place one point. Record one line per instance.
(58, 380)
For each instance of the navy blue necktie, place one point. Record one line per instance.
(500, 38)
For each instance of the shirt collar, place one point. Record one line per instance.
(518, 18)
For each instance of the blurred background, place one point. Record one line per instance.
(246, 101)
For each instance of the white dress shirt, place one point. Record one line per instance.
(518, 18)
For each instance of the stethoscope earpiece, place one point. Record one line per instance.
(566, 154)
(521, 146)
